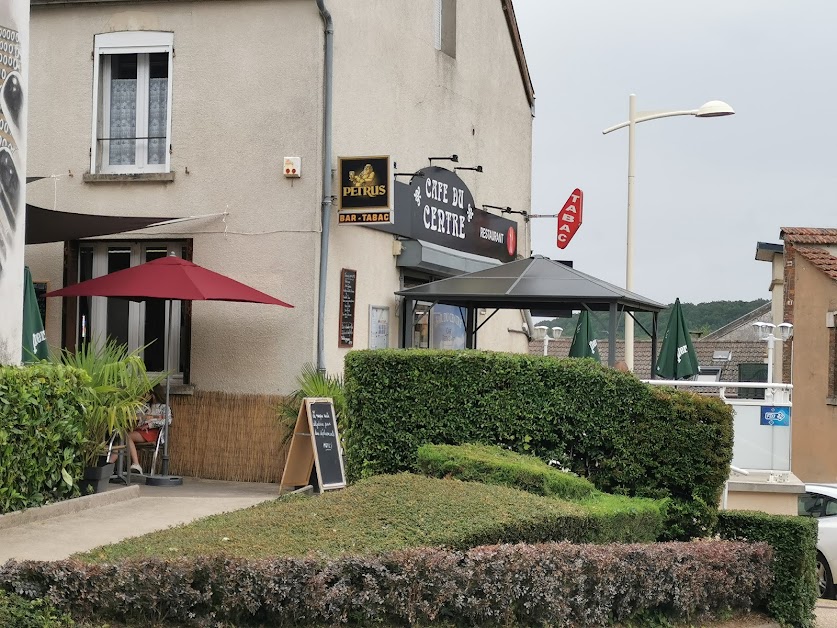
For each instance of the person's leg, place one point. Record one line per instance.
(134, 437)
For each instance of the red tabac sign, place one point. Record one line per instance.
(569, 218)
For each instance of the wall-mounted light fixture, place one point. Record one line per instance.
(453, 158)
(409, 174)
(509, 210)
(474, 168)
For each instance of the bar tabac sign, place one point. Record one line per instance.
(365, 190)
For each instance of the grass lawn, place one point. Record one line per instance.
(376, 515)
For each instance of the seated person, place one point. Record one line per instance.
(152, 416)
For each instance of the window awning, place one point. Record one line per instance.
(49, 225)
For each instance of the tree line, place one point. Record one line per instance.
(701, 318)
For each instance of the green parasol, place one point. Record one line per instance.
(34, 337)
(584, 343)
(678, 359)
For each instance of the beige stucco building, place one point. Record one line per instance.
(216, 95)
(804, 293)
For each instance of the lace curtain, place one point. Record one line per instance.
(123, 121)
(157, 105)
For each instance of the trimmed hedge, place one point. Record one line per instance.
(521, 585)
(624, 436)
(18, 612)
(395, 512)
(794, 543)
(41, 434)
(612, 518)
(493, 465)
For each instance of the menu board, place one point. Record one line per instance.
(348, 290)
(324, 430)
(315, 445)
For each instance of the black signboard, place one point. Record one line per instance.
(315, 446)
(436, 206)
(327, 445)
(365, 190)
(348, 290)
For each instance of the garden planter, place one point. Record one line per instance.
(95, 479)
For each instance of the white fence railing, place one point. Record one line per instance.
(762, 427)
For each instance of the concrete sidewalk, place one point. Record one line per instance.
(826, 611)
(56, 531)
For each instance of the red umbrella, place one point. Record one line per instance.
(169, 278)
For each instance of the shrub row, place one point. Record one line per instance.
(394, 512)
(525, 585)
(609, 517)
(794, 544)
(604, 425)
(41, 434)
(18, 612)
(493, 465)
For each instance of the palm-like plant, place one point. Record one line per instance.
(312, 383)
(119, 384)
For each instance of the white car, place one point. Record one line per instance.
(820, 501)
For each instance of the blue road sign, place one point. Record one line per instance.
(775, 416)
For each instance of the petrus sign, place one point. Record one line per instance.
(775, 416)
(365, 190)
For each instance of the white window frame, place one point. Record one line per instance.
(136, 310)
(128, 42)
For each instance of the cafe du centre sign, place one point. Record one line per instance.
(437, 207)
(365, 190)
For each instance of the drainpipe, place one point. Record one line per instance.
(328, 75)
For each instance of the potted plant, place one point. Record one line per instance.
(119, 385)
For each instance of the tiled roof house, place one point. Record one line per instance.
(804, 287)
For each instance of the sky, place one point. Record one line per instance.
(706, 190)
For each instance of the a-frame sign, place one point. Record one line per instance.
(315, 444)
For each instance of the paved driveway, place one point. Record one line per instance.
(120, 513)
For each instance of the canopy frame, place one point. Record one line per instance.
(536, 283)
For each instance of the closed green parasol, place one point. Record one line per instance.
(678, 359)
(584, 343)
(34, 337)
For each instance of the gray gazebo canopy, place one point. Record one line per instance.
(539, 284)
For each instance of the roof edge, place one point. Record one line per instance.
(511, 20)
(756, 313)
(765, 251)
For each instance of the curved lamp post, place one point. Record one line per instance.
(712, 109)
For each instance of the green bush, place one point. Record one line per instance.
(41, 434)
(617, 518)
(794, 542)
(602, 424)
(554, 584)
(22, 613)
(493, 465)
(611, 517)
(392, 512)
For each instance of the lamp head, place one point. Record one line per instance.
(763, 330)
(786, 329)
(540, 332)
(714, 109)
(557, 331)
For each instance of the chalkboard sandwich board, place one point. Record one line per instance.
(315, 444)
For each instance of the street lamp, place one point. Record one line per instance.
(542, 333)
(765, 332)
(711, 109)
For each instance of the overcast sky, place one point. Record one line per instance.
(707, 190)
